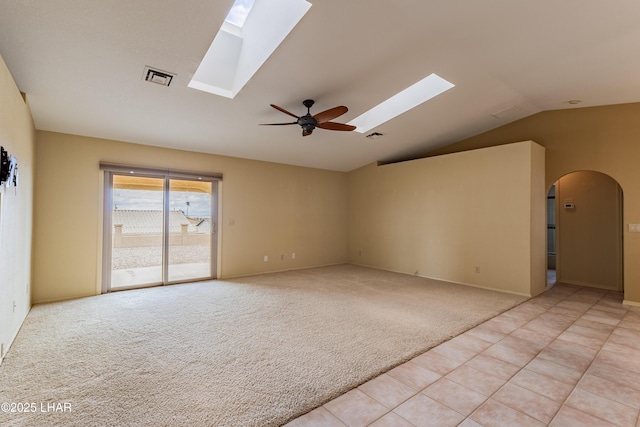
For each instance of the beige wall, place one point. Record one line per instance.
(266, 209)
(589, 236)
(17, 136)
(442, 217)
(601, 139)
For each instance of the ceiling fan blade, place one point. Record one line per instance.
(335, 126)
(278, 124)
(330, 114)
(284, 111)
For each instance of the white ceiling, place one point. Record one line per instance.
(81, 64)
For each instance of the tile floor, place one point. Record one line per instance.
(569, 357)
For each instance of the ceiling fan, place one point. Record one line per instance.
(321, 120)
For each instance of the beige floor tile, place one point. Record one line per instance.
(515, 317)
(565, 312)
(319, 417)
(414, 376)
(615, 374)
(628, 324)
(623, 350)
(575, 348)
(586, 331)
(615, 315)
(421, 410)
(476, 380)
(491, 365)
(495, 414)
(600, 319)
(603, 408)
(501, 326)
(509, 351)
(542, 384)
(598, 326)
(355, 408)
(632, 319)
(570, 417)
(554, 320)
(576, 338)
(453, 352)
(565, 358)
(468, 422)
(487, 332)
(611, 307)
(526, 401)
(545, 326)
(579, 306)
(455, 396)
(610, 390)
(618, 360)
(552, 370)
(472, 343)
(626, 337)
(387, 390)
(436, 363)
(540, 337)
(391, 420)
(532, 310)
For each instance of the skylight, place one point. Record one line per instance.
(422, 91)
(251, 32)
(239, 12)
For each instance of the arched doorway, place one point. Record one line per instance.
(586, 226)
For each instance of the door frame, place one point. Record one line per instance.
(110, 170)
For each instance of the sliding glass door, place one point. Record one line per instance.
(190, 227)
(158, 229)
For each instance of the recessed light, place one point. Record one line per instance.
(574, 101)
(422, 91)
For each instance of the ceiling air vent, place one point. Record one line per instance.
(157, 76)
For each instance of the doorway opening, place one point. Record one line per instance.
(585, 231)
(158, 229)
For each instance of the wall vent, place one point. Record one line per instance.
(160, 77)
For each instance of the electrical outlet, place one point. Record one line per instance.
(477, 269)
(266, 258)
(293, 255)
(281, 257)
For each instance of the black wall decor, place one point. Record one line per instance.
(4, 165)
(8, 168)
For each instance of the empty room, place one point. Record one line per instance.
(289, 212)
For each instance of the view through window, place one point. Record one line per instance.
(161, 230)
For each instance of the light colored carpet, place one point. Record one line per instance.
(256, 351)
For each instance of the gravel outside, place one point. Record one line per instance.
(148, 256)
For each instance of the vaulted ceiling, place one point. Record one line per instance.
(81, 64)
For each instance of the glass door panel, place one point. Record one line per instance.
(137, 219)
(190, 230)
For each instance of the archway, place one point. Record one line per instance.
(588, 230)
